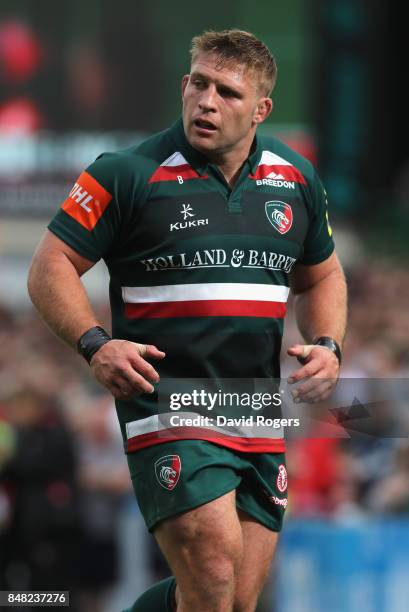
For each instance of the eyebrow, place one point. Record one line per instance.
(220, 86)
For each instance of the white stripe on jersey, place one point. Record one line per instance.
(157, 423)
(268, 158)
(206, 291)
(176, 159)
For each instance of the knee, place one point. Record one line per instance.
(218, 571)
(213, 553)
(210, 565)
(205, 554)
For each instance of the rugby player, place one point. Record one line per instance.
(203, 227)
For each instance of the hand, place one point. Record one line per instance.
(320, 369)
(121, 367)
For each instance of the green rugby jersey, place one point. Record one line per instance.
(197, 268)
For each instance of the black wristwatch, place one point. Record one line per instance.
(331, 344)
(91, 342)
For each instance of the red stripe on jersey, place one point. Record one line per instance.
(87, 201)
(246, 445)
(206, 308)
(176, 466)
(286, 173)
(172, 173)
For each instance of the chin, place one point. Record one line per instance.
(202, 144)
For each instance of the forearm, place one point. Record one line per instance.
(321, 309)
(56, 290)
(58, 294)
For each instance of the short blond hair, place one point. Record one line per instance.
(239, 47)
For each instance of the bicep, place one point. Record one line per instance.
(52, 247)
(304, 277)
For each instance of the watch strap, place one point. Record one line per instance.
(330, 343)
(91, 341)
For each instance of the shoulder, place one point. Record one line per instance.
(276, 152)
(134, 163)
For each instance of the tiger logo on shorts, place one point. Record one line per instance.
(167, 471)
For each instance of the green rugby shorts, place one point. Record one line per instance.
(178, 476)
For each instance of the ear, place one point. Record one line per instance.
(185, 81)
(263, 109)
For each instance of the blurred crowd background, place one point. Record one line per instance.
(77, 79)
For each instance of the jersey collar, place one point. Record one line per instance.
(199, 161)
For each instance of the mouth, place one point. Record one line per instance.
(207, 126)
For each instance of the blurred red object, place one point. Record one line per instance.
(20, 51)
(19, 116)
(314, 469)
(301, 142)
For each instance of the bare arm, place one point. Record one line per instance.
(320, 299)
(320, 307)
(55, 288)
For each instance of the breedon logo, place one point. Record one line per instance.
(280, 215)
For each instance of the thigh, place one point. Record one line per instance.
(204, 549)
(192, 539)
(176, 477)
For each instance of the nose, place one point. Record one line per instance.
(207, 100)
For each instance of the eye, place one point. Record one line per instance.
(198, 83)
(225, 92)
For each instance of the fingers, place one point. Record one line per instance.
(137, 381)
(319, 360)
(310, 369)
(124, 387)
(316, 390)
(121, 390)
(138, 363)
(150, 351)
(120, 366)
(320, 373)
(301, 351)
(140, 366)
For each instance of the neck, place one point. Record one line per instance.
(230, 174)
(231, 171)
(230, 167)
(231, 162)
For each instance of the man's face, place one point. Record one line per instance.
(221, 106)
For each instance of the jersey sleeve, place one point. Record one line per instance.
(89, 219)
(319, 243)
